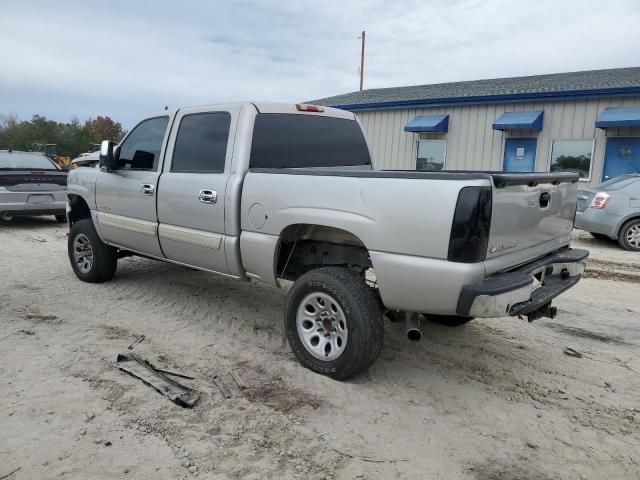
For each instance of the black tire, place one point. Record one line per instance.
(362, 313)
(629, 228)
(104, 258)
(449, 320)
(599, 236)
(61, 218)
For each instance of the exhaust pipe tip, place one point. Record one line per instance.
(414, 332)
(7, 217)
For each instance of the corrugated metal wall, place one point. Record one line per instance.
(473, 145)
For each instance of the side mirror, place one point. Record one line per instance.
(107, 160)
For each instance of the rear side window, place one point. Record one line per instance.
(201, 144)
(141, 149)
(302, 141)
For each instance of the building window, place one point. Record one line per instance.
(572, 156)
(431, 155)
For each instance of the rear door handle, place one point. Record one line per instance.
(208, 196)
(147, 189)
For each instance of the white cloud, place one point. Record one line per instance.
(127, 59)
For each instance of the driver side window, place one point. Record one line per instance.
(141, 149)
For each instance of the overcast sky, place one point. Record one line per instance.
(127, 59)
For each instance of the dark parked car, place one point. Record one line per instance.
(31, 184)
(612, 210)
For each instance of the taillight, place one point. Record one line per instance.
(600, 200)
(303, 107)
(471, 225)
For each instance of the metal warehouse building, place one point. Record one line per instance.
(583, 121)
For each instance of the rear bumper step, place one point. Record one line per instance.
(526, 290)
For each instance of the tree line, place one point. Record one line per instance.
(71, 139)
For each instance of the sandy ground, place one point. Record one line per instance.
(495, 399)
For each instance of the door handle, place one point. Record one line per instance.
(147, 189)
(208, 196)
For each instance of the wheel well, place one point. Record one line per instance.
(305, 247)
(630, 219)
(79, 209)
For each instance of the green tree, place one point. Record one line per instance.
(71, 138)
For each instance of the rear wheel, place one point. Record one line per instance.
(629, 236)
(92, 260)
(333, 322)
(449, 320)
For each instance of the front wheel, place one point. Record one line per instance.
(333, 322)
(629, 237)
(92, 260)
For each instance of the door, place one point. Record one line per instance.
(520, 154)
(621, 156)
(191, 198)
(125, 197)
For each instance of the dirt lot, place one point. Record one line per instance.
(496, 399)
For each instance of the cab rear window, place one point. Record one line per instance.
(304, 141)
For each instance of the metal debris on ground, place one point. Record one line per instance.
(140, 368)
(136, 342)
(238, 380)
(39, 318)
(572, 352)
(226, 393)
(175, 374)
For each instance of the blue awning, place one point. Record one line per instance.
(619, 117)
(519, 121)
(428, 123)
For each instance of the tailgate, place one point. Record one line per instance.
(529, 210)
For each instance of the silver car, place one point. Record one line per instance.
(612, 210)
(31, 184)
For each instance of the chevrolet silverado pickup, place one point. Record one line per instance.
(270, 192)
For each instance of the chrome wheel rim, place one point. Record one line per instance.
(82, 253)
(633, 236)
(322, 326)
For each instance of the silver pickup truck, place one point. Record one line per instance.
(272, 192)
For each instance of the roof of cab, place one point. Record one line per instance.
(262, 107)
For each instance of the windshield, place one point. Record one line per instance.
(25, 161)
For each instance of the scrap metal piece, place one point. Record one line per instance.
(572, 352)
(238, 380)
(140, 368)
(175, 374)
(137, 341)
(224, 390)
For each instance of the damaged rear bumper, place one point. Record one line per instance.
(525, 291)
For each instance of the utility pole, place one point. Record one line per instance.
(362, 62)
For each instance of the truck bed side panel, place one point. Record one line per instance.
(411, 216)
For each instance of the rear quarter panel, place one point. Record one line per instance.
(394, 215)
(404, 223)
